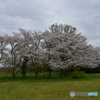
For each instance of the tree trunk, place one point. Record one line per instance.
(36, 75)
(24, 76)
(49, 70)
(24, 67)
(61, 73)
(14, 76)
(49, 76)
(66, 72)
(13, 73)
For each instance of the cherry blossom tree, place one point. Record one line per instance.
(13, 52)
(67, 49)
(31, 43)
(60, 48)
(3, 48)
(62, 28)
(97, 53)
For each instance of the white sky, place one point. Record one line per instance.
(40, 14)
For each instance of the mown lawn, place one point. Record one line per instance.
(48, 89)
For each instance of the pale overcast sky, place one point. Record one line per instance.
(40, 14)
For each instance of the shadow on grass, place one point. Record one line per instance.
(19, 78)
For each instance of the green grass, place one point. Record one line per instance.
(47, 89)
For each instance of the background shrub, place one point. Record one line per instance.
(78, 74)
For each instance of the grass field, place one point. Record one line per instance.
(48, 89)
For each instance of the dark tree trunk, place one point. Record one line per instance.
(14, 76)
(24, 67)
(61, 73)
(49, 70)
(24, 76)
(36, 75)
(49, 76)
(13, 73)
